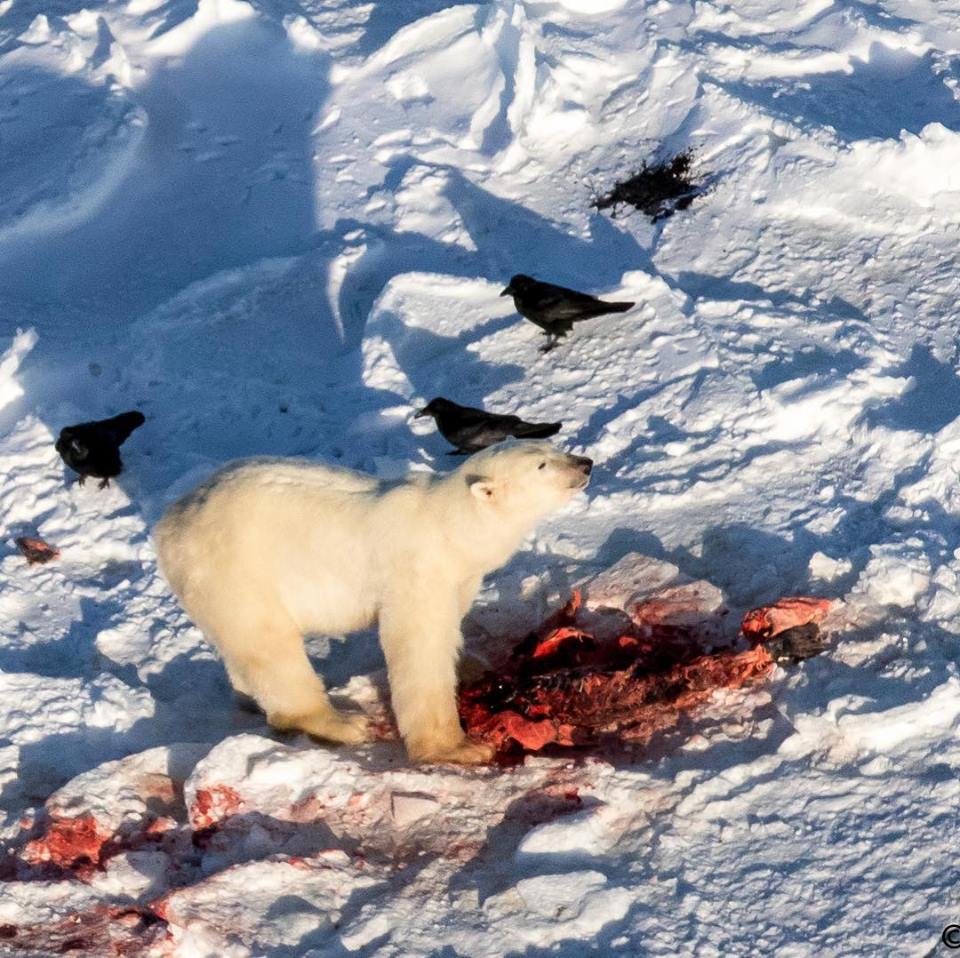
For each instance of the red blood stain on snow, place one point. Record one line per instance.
(212, 805)
(161, 906)
(383, 729)
(79, 846)
(72, 843)
(160, 826)
(564, 686)
(76, 845)
(104, 931)
(308, 809)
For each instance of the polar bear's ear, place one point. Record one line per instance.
(483, 489)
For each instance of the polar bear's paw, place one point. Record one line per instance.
(330, 726)
(464, 752)
(348, 729)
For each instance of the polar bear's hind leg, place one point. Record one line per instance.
(272, 668)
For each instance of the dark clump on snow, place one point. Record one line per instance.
(658, 189)
(796, 644)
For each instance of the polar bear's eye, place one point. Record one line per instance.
(542, 465)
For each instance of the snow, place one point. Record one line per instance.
(279, 228)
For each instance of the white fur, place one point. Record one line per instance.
(266, 551)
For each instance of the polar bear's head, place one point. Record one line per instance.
(525, 478)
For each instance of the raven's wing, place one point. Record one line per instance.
(498, 427)
(475, 429)
(470, 429)
(558, 304)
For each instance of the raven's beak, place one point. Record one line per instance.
(507, 292)
(420, 413)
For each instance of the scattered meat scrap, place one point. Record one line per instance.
(562, 685)
(789, 629)
(36, 551)
(784, 614)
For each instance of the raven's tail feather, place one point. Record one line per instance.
(538, 430)
(121, 426)
(601, 308)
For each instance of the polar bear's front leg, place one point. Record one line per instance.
(420, 635)
(470, 665)
(467, 592)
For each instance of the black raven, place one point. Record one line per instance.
(471, 430)
(555, 308)
(93, 448)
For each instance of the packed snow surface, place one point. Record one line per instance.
(280, 227)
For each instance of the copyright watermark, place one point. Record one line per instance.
(951, 937)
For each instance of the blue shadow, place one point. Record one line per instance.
(890, 91)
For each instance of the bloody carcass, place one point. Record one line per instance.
(564, 684)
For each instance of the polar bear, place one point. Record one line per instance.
(267, 550)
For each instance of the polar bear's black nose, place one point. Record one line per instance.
(584, 464)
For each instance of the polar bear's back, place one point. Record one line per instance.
(255, 514)
(264, 485)
(301, 475)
